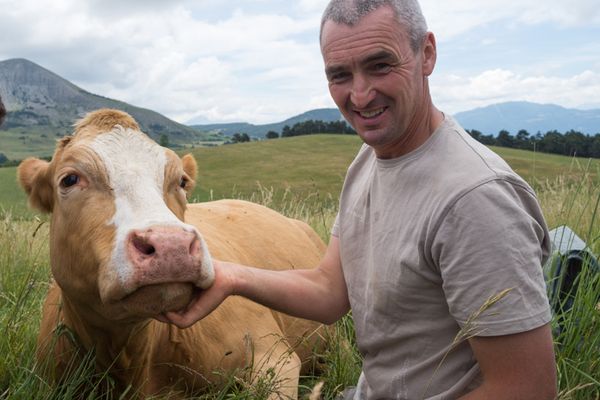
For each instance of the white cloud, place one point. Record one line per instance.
(315, 6)
(259, 60)
(449, 19)
(252, 66)
(454, 93)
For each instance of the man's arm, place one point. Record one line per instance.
(318, 294)
(519, 366)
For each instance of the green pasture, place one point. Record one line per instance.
(12, 199)
(19, 143)
(536, 167)
(300, 177)
(310, 168)
(299, 166)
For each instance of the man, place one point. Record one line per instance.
(432, 225)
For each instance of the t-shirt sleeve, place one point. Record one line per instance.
(494, 240)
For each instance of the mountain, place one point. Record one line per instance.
(533, 117)
(38, 100)
(510, 116)
(259, 131)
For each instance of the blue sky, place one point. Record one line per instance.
(259, 61)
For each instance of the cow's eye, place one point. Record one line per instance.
(183, 182)
(69, 180)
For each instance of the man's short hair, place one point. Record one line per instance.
(408, 13)
(2, 111)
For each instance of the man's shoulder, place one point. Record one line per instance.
(462, 159)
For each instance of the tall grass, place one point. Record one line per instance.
(576, 324)
(24, 273)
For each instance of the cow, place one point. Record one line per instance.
(125, 247)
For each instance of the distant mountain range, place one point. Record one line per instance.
(37, 100)
(259, 131)
(510, 116)
(517, 115)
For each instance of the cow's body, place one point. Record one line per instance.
(106, 292)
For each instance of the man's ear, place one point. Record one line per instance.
(191, 169)
(429, 53)
(33, 176)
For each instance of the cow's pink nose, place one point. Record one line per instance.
(160, 253)
(160, 241)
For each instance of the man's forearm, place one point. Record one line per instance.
(308, 294)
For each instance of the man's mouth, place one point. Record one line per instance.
(372, 113)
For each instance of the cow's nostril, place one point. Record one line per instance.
(143, 247)
(194, 246)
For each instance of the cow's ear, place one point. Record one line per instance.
(191, 170)
(33, 175)
(189, 166)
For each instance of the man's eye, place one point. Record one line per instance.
(382, 68)
(339, 77)
(69, 180)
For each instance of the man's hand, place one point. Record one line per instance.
(318, 294)
(207, 300)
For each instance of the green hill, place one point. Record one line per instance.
(310, 167)
(259, 131)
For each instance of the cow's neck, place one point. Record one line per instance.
(115, 344)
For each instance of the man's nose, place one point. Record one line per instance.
(362, 92)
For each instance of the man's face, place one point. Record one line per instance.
(376, 79)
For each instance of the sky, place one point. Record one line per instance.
(258, 61)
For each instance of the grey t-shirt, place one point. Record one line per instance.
(425, 240)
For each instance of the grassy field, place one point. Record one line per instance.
(18, 143)
(300, 177)
(310, 168)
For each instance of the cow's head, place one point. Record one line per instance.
(118, 243)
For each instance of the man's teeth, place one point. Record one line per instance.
(371, 114)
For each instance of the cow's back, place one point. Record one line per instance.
(254, 235)
(251, 234)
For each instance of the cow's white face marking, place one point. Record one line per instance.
(136, 168)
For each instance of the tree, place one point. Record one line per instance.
(3, 158)
(576, 144)
(552, 142)
(595, 144)
(163, 140)
(286, 131)
(475, 134)
(240, 138)
(504, 139)
(272, 135)
(522, 140)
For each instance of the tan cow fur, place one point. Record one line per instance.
(150, 356)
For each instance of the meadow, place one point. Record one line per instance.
(300, 177)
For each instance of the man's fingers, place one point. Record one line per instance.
(195, 311)
(162, 318)
(181, 321)
(203, 303)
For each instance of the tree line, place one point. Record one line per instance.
(312, 127)
(571, 143)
